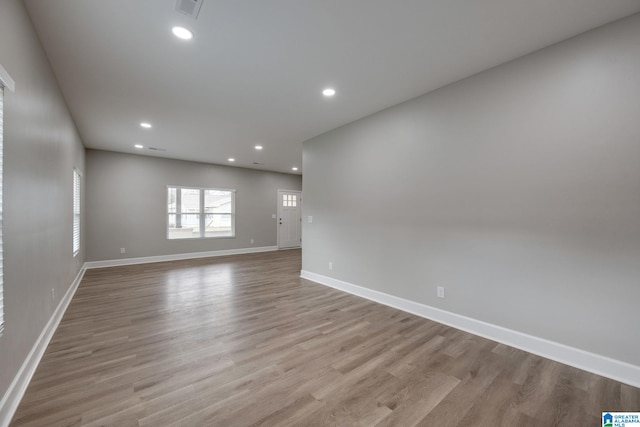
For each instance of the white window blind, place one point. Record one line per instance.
(76, 212)
(1, 249)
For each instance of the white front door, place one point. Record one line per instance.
(289, 219)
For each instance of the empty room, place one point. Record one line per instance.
(319, 213)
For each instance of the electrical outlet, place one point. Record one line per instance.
(441, 292)
(330, 265)
(123, 250)
(252, 241)
(310, 219)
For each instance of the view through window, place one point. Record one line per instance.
(195, 213)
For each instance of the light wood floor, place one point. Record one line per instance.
(242, 340)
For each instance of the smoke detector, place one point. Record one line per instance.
(189, 7)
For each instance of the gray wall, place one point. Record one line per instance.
(127, 203)
(517, 189)
(41, 149)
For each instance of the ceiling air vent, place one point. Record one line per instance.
(189, 7)
(157, 149)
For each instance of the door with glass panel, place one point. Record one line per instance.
(289, 219)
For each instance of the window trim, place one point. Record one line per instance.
(201, 213)
(6, 81)
(77, 204)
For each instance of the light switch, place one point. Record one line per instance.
(309, 219)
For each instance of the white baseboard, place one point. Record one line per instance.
(20, 382)
(581, 359)
(176, 257)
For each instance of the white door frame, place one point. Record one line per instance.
(278, 201)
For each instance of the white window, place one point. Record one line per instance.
(76, 212)
(197, 213)
(1, 249)
(5, 81)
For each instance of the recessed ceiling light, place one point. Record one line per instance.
(146, 125)
(182, 33)
(139, 146)
(294, 168)
(231, 159)
(258, 147)
(329, 92)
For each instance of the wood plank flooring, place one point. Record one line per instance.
(242, 340)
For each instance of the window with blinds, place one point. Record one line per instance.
(5, 81)
(76, 212)
(1, 248)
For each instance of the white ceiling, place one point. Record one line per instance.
(254, 72)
